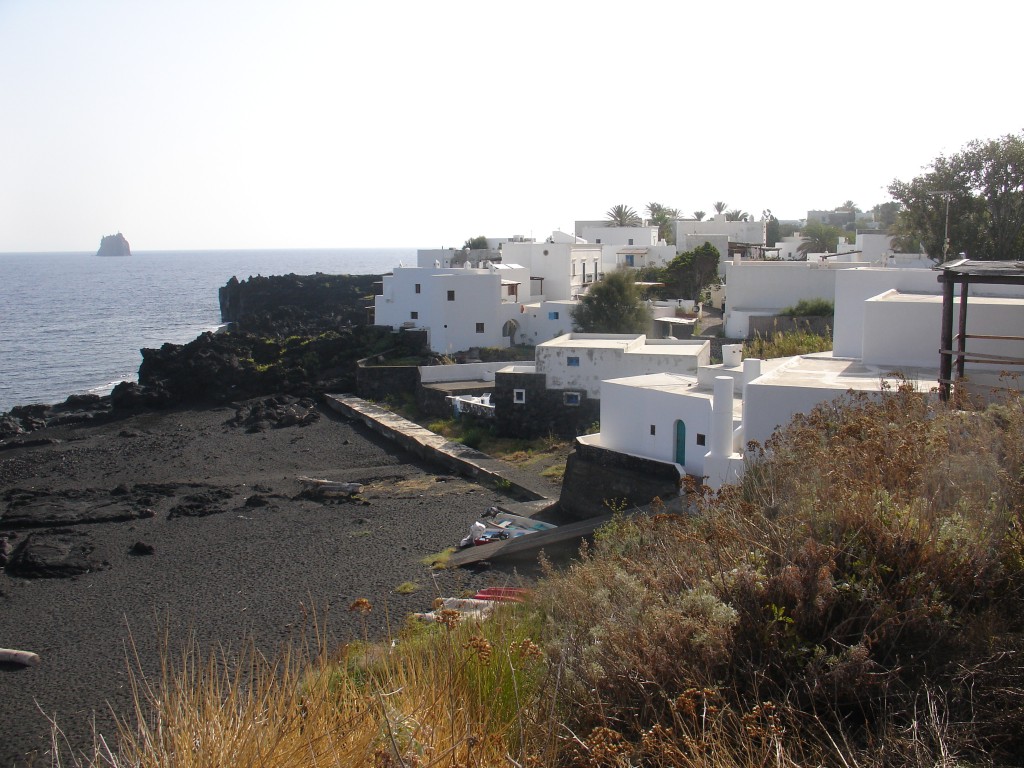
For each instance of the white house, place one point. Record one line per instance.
(459, 307)
(753, 232)
(580, 361)
(602, 234)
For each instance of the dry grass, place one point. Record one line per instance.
(449, 694)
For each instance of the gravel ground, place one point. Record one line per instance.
(237, 552)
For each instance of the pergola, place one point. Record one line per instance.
(965, 273)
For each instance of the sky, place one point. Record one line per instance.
(254, 124)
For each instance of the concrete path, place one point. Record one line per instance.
(455, 457)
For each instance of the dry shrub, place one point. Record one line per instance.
(866, 577)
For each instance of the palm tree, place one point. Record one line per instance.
(720, 206)
(736, 215)
(622, 216)
(663, 216)
(699, 215)
(819, 238)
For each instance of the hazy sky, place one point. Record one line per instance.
(257, 124)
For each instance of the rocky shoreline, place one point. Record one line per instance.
(171, 513)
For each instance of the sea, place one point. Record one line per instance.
(74, 323)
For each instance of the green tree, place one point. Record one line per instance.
(622, 216)
(978, 193)
(771, 228)
(699, 215)
(612, 305)
(886, 213)
(849, 205)
(663, 216)
(819, 238)
(736, 215)
(691, 272)
(478, 243)
(720, 206)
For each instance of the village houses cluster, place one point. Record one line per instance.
(657, 395)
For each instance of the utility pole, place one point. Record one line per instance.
(946, 193)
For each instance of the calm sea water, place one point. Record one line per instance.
(74, 322)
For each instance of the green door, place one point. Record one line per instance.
(680, 442)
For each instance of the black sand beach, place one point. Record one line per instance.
(237, 552)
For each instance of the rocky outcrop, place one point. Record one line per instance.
(275, 413)
(293, 335)
(53, 554)
(287, 304)
(114, 245)
(23, 419)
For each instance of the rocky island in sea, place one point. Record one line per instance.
(114, 245)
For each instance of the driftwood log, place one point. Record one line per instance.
(24, 658)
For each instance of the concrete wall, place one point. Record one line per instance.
(595, 477)
(432, 374)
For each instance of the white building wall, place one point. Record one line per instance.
(854, 286)
(551, 261)
(767, 407)
(628, 413)
(617, 256)
(765, 287)
(905, 330)
(545, 321)
(606, 235)
(736, 231)
(452, 324)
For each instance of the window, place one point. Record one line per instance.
(631, 241)
(552, 315)
(700, 439)
(572, 362)
(417, 287)
(571, 398)
(652, 429)
(518, 395)
(451, 295)
(628, 259)
(479, 327)
(598, 241)
(414, 315)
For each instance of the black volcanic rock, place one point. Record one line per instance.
(53, 555)
(284, 305)
(114, 245)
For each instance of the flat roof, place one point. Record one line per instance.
(823, 371)
(893, 295)
(623, 342)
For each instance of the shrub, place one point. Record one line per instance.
(810, 308)
(869, 565)
(786, 344)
